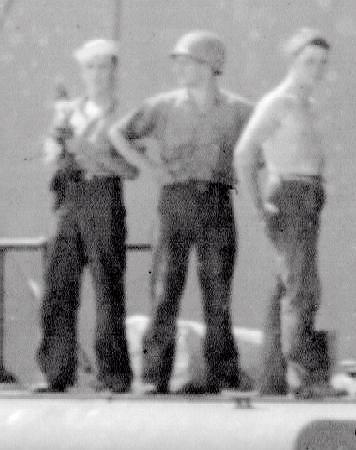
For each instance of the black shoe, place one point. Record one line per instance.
(191, 388)
(239, 381)
(244, 383)
(98, 386)
(159, 389)
(120, 388)
(196, 388)
(50, 389)
(317, 391)
(213, 389)
(270, 389)
(115, 388)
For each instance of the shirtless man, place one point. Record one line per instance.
(282, 129)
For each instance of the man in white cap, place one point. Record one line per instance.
(283, 127)
(91, 229)
(195, 128)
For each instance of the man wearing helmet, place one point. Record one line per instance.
(91, 228)
(195, 128)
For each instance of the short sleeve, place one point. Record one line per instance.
(142, 122)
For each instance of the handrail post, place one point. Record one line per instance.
(2, 295)
(44, 251)
(5, 375)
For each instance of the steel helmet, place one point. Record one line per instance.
(203, 46)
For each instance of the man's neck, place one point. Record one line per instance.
(102, 100)
(204, 96)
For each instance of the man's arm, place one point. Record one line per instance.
(248, 152)
(60, 132)
(133, 151)
(132, 135)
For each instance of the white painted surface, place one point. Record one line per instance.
(137, 423)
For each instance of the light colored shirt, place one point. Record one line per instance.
(90, 144)
(193, 145)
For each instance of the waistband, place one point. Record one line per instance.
(295, 177)
(201, 185)
(100, 178)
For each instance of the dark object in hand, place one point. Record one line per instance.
(62, 133)
(67, 171)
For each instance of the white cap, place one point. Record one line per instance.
(96, 47)
(348, 365)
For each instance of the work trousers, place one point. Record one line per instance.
(200, 215)
(290, 348)
(91, 230)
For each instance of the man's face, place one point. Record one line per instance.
(188, 71)
(98, 74)
(310, 64)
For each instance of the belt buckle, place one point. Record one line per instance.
(89, 176)
(202, 186)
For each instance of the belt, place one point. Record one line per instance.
(308, 179)
(93, 177)
(304, 178)
(204, 186)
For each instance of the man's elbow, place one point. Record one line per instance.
(245, 163)
(51, 151)
(242, 157)
(116, 136)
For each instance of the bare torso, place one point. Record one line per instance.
(295, 145)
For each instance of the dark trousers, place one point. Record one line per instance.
(291, 353)
(200, 215)
(91, 230)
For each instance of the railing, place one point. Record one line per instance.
(25, 245)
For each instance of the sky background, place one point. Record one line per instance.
(36, 46)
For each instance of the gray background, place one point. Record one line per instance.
(35, 49)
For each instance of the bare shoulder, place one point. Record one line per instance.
(165, 98)
(236, 100)
(275, 103)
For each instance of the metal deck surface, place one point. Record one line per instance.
(83, 420)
